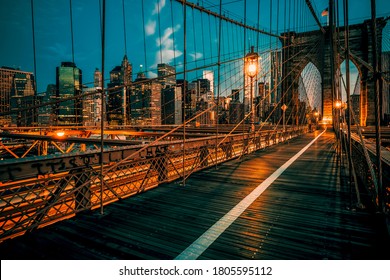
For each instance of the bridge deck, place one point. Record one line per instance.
(303, 214)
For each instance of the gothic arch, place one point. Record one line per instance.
(313, 84)
(314, 46)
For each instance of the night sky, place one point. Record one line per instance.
(53, 36)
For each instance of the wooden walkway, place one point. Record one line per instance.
(304, 214)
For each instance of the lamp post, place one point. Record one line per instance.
(337, 124)
(251, 68)
(284, 108)
(316, 117)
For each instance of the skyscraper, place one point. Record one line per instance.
(145, 101)
(68, 86)
(170, 95)
(127, 71)
(209, 75)
(17, 90)
(117, 101)
(97, 78)
(46, 114)
(236, 108)
(91, 106)
(166, 74)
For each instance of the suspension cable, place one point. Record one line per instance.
(377, 103)
(124, 25)
(308, 3)
(173, 35)
(184, 2)
(159, 29)
(144, 33)
(102, 106)
(71, 28)
(219, 83)
(34, 49)
(184, 86)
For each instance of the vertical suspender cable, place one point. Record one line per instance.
(125, 89)
(211, 43)
(35, 86)
(350, 162)
(346, 45)
(203, 38)
(102, 103)
(143, 22)
(284, 52)
(258, 27)
(76, 109)
(173, 35)
(159, 29)
(219, 82)
(71, 28)
(270, 59)
(277, 56)
(380, 191)
(184, 86)
(338, 85)
(244, 84)
(332, 51)
(124, 25)
(257, 76)
(257, 50)
(194, 33)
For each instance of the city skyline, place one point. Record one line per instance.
(163, 33)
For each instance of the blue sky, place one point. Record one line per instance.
(53, 36)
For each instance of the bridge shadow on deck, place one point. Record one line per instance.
(304, 214)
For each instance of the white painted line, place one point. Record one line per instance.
(206, 239)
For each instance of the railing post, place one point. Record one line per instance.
(203, 158)
(245, 148)
(160, 164)
(83, 189)
(228, 148)
(259, 140)
(44, 148)
(267, 140)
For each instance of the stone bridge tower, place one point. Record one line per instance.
(301, 48)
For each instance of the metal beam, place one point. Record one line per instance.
(310, 6)
(69, 139)
(217, 15)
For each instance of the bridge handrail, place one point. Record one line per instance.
(35, 200)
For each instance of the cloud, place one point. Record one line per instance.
(166, 39)
(168, 52)
(151, 75)
(196, 55)
(150, 27)
(168, 55)
(57, 50)
(158, 7)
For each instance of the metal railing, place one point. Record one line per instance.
(35, 192)
(362, 165)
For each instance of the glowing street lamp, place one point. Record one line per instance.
(284, 108)
(252, 63)
(60, 133)
(316, 114)
(251, 69)
(337, 104)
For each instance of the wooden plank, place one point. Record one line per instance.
(302, 215)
